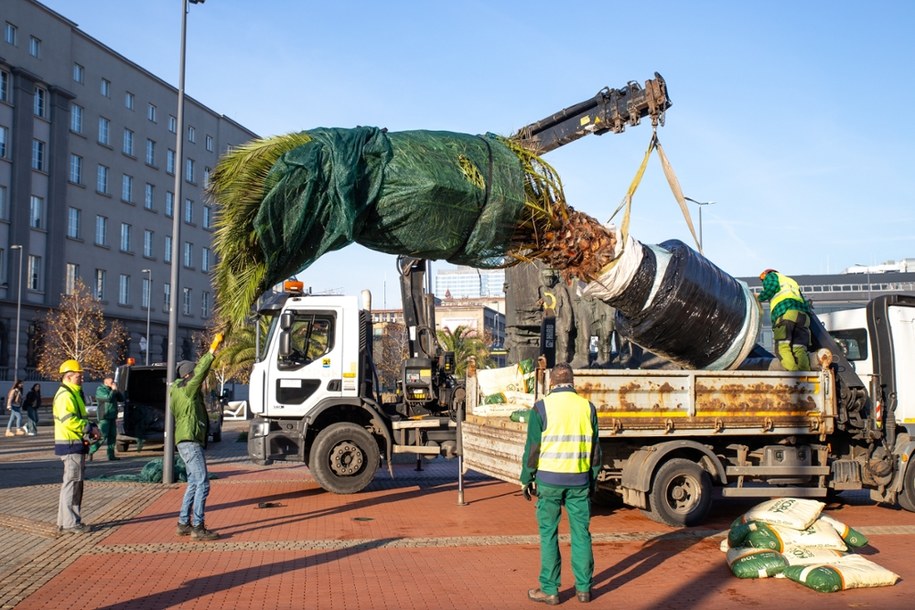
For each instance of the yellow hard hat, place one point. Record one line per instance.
(70, 366)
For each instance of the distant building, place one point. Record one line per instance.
(467, 282)
(87, 171)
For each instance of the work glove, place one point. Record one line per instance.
(529, 490)
(217, 341)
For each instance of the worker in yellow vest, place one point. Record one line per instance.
(562, 459)
(790, 314)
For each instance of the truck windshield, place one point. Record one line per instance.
(310, 337)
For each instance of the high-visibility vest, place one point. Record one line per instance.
(787, 289)
(70, 420)
(565, 444)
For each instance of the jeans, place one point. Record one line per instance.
(32, 419)
(198, 483)
(15, 414)
(71, 490)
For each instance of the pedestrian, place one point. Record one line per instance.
(107, 396)
(561, 461)
(790, 313)
(14, 406)
(31, 404)
(72, 433)
(191, 430)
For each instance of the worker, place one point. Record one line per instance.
(561, 461)
(107, 396)
(191, 429)
(790, 314)
(72, 434)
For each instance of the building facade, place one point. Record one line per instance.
(463, 282)
(87, 176)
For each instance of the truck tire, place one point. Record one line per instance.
(906, 497)
(123, 446)
(681, 494)
(344, 458)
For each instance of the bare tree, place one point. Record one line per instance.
(389, 353)
(77, 330)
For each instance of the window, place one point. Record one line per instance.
(101, 182)
(36, 212)
(189, 171)
(148, 243)
(34, 47)
(127, 147)
(100, 275)
(167, 294)
(311, 336)
(4, 86)
(125, 237)
(127, 188)
(40, 103)
(151, 111)
(105, 87)
(38, 155)
(76, 118)
(169, 204)
(123, 289)
(35, 276)
(73, 216)
(170, 162)
(172, 124)
(207, 217)
(209, 143)
(150, 152)
(104, 126)
(167, 254)
(72, 274)
(205, 260)
(186, 302)
(4, 137)
(76, 169)
(4, 205)
(204, 304)
(188, 211)
(101, 231)
(128, 100)
(147, 292)
(9, 33)
(191, 134)
(79, 73)
(149, 194)
(188, 254)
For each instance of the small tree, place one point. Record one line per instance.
(77, 330)
(389, 352)
(239, 352)
(465, 342)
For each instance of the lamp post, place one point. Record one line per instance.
(148, 309)
(701, 205)
(168, 465)
(18, 312)
(867, 271)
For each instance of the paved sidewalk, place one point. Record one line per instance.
(404, 543)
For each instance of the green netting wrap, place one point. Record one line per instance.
(430, 194)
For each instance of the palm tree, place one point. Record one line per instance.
(237, 356)
(466, 343)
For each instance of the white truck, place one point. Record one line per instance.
(671, 437)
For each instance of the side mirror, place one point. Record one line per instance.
(285, 346)
(286, 320)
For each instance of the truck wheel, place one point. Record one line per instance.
(123, 446)
(681, 494)
(344, 458)
(906, 497)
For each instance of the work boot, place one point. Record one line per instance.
(184, 529)
(536, 595)
(199, 532)
(583, 596)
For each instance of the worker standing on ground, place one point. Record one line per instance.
(790, 314)
(72, 433)
(561, 461)
(191, 429)
(108, 396)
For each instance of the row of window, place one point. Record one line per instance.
(11, 36)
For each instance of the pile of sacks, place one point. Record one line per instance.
(791, 538)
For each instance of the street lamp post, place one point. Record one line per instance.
(148, 310)
(701, 205)
(168, 465)
(18, 312)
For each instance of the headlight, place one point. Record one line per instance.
(261, 428)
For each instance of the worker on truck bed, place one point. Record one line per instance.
(561, 461)
(790, 313)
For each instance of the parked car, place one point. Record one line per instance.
(142, 412)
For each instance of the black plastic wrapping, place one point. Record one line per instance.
(632, 300)
(696, 315)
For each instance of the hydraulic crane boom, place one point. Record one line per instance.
(609, 110)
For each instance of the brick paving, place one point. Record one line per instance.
(404, 543)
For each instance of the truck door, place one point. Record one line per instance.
(902, 330)
(307, 361)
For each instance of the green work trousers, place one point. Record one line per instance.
(549, 510)
(109, 430)
(792, 336)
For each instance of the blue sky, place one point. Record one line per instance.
(791, 116)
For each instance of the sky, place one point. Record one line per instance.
(791, 116)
